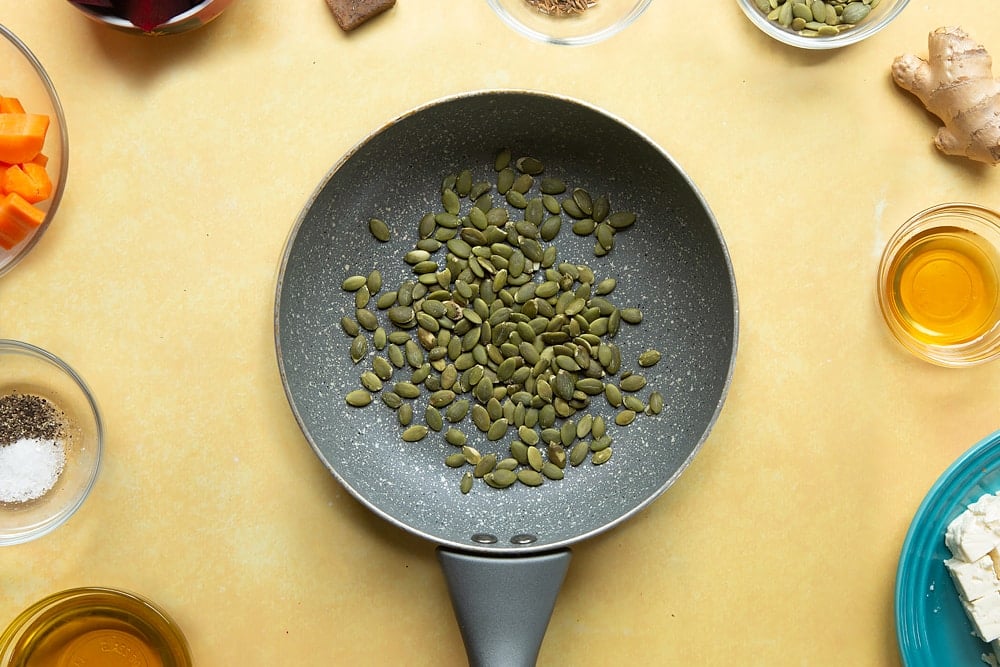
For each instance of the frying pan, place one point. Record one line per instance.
(511, 544)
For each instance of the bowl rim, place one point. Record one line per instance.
(60, 118)
(818, 43)
(574, 40)
(157, 618)
(128, 26)
(983, 348)
(59, 517)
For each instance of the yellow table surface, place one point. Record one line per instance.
(190, 158)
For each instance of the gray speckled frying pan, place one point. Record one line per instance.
(672, 263)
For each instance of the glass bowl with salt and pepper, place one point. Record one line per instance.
(51, 437)
(569, 22)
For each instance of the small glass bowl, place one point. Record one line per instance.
(193, 18)
(951, 250)
(598, 22)
(879, 18)
(22, 76)
(26, 369)
(93, 625)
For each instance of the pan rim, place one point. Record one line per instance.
(505, 550)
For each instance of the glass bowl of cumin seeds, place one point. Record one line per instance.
(569, 22)
(51, 438)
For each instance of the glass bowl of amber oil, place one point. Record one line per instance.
(939, 284)
(93, 626)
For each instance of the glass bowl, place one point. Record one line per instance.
(186, 21)
(43, 401)
(939, 284)
(602, 19)
(23, 77)
(878, 18)
(99, 626)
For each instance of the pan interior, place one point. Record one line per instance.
(672, 264)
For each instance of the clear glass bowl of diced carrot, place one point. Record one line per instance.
(33, 150)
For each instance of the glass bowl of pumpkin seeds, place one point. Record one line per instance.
(821, 24)
(569, 22)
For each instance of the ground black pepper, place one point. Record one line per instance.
(28, 416)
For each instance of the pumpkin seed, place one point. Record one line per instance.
(382, 368)
(625, 417)
(457, 410)
(855, 12)
(359, 348)
(631, 315)
(349, 326)
(454, 436)
(415, 433)
(529, 165)
(632, 383)
(534, 458)
(466, 484)
(485, 465)
(509, 463)
(379, 229)
(605, 235)
(613, 395)
(471, 454)
(552, 471)
(441, 398)
(529, 477)
(497, 429)
(405, 414)
(601, 457)
(550, 227)
(519, 452)
(501, 478)
(391, 399)
(600, 443)
(406, 389)
(358, 398)
(633, 403)
(456, 460)
(396, 356)
(502, 159)
(433, 419)
(649, 358)
(353, 283)
(552, 186)
(371, 381)
(655, 403)
(598, 429)
(579, 453)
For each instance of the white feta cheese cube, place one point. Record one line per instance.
(987, 508)
(985, 615)
(968, 538)
(973, 580)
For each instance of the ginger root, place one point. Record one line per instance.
(956, 84)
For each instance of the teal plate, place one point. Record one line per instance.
(931, 625)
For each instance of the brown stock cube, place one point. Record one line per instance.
(349, 14)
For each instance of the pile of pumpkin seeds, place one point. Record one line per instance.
(817, 18)
(497, 333)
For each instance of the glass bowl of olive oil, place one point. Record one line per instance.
(94, 626)
(939, 284)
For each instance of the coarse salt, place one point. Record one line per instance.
(29, 468)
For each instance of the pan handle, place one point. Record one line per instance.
(503, 603)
